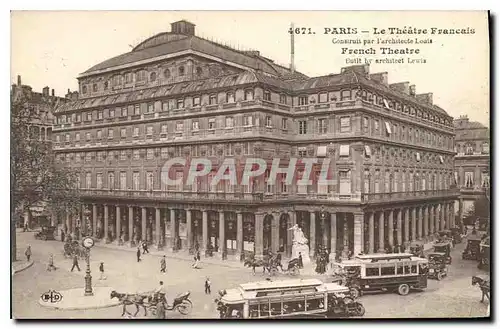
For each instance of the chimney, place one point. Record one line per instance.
(381, 77)
(183, 27)
(361, 69)
(403, 87)
(413, 90)
(45, 91)
(53, 93)
(19, 80)
(292, 50)
(425, 98)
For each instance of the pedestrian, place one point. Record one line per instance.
(75, 263)
(160, 310)
(28, 253)
(25, 227)
(145, 247)
(198, 257)
(50, 265)
(101, 270)
(163, 264)
(138, 254)
(207, 286)
(195, 264)
(301, 264)
(62, 235)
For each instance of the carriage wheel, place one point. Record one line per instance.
(185, 307)
(295, 271)
(273, 272)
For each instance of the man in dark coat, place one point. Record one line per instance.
(75, 263)
(163, 264)
(138, 254)
(301, 264)
(145, 247)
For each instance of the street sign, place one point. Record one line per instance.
(88, 242)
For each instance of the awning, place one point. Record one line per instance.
(441, 159)
(418, 156)
(321, 152)
(388, 127)
(344, 150)
(368, 151)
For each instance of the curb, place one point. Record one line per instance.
(78, 308)
(27, 265)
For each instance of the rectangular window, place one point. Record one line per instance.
(321, 151)
(99, 115)
(111, 180)
(149, 181)
(135, 181)
(269, 122)
(284, 124)
(302, 152)
(267, 95)
(196, 101)
(77, 137)
(246, 148)
(302, 127)
(88, 180)
(164, 129)
(135, 155)
(88, 137)
(345, 124)
(376, 125)
(388, 129)
(179, 127)
(78, 118)
(151, 107)
(247, 120)
(211, 124)
(345, 95)
(469, 179)
(112, 113)
(89, 116)
(100, 156)
(149, 131)
(150, 154)
(248, 95)
(283, 99)
(123, 133)
(387, 270)
(230, 98)
(366, 124)
(123, 180)
(212, 100)
(180, 103)
(99, 134)
(137, 109)
(123, 155)
(229, 122)
(323, 97)
(124, 112)
(322, 126)
(368, 151)
(345, 182)
(229, 149)
(164, 106)
(99, 181)
(164, 153)
(373, 271)
(196, 126)
(303, 100)
(136, 132)
(344, 150)
(67, 137)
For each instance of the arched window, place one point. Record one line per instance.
(485, 149)
(94, 87)
(166, 73)
(181, 70)
(106, 85)
(141, 75)
(84, 89)
(152, 76)
(199, 71)
(117, 80)
(248, 94)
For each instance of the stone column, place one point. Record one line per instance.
(189, 231)
(442, 216)
(371, 232)
(312, 233)
(94, 220)
(173, 229)
(204, 228)
(259, 235)
(358, 233)
(407, 224)
(324, 232)
(275, 233)
(425, 213)
(419, 222)
(390, 228)
(431, 219)
(106, 223)
(413, 224)
(333, 236)
(118, 224)
(289, 237)
(130, 226)
(143, 223)
(222, 233)
(399, 227)
(157, 227)
(460, 210)
(345, 229)
(381, 240)
(452, 214)
(437, 218)
(239, 234)
(68, 221)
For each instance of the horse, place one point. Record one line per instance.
(484, 285)
(253, 263)
(131, 299)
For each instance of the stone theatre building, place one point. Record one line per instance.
(178, 95)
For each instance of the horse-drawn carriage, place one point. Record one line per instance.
(46, 233)
(272, 264)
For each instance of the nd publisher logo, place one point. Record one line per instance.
(51, 296)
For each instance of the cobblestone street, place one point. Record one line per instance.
(452, 297)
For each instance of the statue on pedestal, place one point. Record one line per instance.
(299, 245)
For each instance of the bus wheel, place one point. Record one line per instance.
(403, 289)
(440, 276)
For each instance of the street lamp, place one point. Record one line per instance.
(88, 243)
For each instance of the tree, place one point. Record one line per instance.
(480, 209)
(35, 176)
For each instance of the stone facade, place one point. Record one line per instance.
(390, 150)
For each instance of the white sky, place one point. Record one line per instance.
(52, 48)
